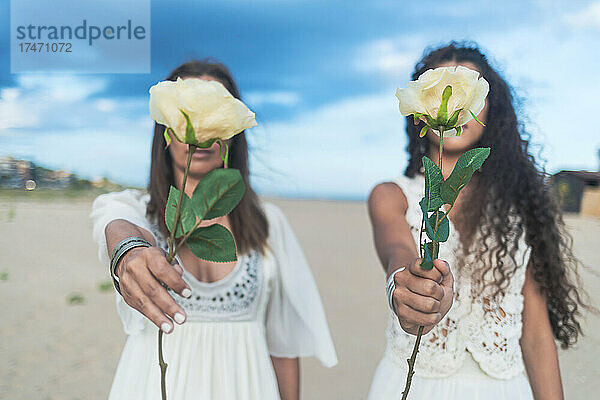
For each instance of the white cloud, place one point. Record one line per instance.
(105, 105)
(588, 17)
(59, 121)
(340, 149)
(391, 58)
(282, 98)
(39, 103)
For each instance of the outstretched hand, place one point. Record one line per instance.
(140, 273)
(421, 297)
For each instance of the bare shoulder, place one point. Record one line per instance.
(387, 197)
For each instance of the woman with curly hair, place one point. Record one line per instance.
(493, 312)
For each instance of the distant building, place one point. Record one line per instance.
(578, 191)
(21, 174)
(9, 175)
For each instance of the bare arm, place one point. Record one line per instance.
(287, 371)
(421, 297)
(537, 344)
(138, 272)
(391, 233)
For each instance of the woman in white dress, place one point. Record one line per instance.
(491, 314)
(241, 326)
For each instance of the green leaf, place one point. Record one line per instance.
(213, 243)
(454, 118)
(187, 217)
(427, 261)
(443, 230)
(423, 131)
(442, 115)
(190, 135)
(167, 137)
(431, 122)
(475, 118)
(423, 204)
(465, 167)
(207, 144)
(433, 181)
(218, 193)
(417, 117)
(458, 130)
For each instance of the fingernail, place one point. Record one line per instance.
(186, 293)
(166, 327)
(179, 318)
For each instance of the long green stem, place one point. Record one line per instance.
(441, 146)
(413, 358)
(163, 367)
(191, 151)
(437, 213)
(170, 257)
(411, 363)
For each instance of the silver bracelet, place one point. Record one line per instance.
(119, 251)
(390, 286)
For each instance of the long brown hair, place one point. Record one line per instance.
(248, 222)
(510, 181)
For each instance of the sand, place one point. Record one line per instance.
(60, 337)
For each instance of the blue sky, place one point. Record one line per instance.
(321, 77)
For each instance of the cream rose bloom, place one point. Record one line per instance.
(424, 95)
(213, 111)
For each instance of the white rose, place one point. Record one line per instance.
(213, 111)
(424, 96)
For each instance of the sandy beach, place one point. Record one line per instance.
(60, 336)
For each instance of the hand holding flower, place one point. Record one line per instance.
(444, 99)
(199, 113)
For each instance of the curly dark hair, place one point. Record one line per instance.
(511, 183)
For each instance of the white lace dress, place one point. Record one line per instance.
(268, 305)
(474, 352)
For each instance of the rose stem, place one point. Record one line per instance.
(413, 358)
(161, 361)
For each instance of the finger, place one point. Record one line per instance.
(160, 297)
(136, 298)
(425, 287)
(412, 316)
(164, 272)
(444, 268)
(433, 274)
(424, 304)
(177, 268)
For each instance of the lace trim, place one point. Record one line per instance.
(489, 330)
(224, 301)
(231, 298)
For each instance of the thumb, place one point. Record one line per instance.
(174, 263)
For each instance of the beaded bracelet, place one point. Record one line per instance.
(119, 251)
